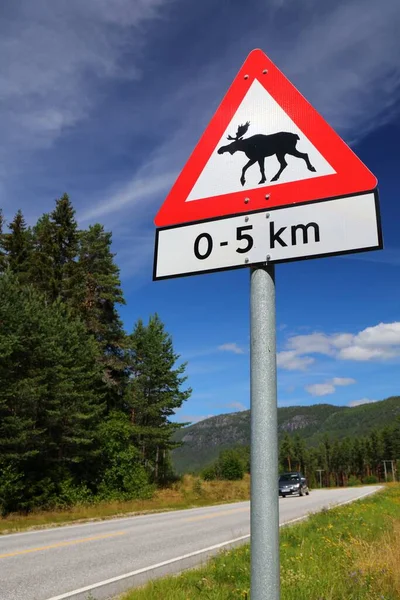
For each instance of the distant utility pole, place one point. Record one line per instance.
(320, 477)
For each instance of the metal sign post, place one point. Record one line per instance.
(264, 437)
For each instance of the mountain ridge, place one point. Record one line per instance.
(203, 441)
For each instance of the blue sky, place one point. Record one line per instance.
(106, 100)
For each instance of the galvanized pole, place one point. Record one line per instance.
(264, 437)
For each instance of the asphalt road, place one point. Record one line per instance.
(53, 563)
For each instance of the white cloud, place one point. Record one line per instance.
(388, 256)
(289, 360)
(236, 406)
(362, 401)
(311, 343)
(380, 342)
(55, 55)
(340, 71)
(328, 387)
(192, 418)
(130, 194)
(338, 381)
(231, 347)
(384, 334)
(320, 389)
(363, 354)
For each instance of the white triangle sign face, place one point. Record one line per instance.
(222, 173)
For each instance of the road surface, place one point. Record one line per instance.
(105, 556)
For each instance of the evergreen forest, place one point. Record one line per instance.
(85, 406)
(333, 463)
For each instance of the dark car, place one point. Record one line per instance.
(293, 483)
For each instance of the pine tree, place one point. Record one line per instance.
(3, 254)
(396, 439)
(375, 452)
(154, 392)
(65, 248)
(388, 444)
(326, 451)
(358, 457)
(42, 274)
(286, 453)
(97, 294)
(50, 398)
(300, 453)
(55, 244)
(17, 245)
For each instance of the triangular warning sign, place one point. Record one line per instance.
(265, 147)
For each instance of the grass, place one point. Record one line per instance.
(187, 493)
(351, 552)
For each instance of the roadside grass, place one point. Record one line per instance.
(189, 492)
(351, 552)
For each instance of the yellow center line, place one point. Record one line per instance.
(62, 544)
(215, 515)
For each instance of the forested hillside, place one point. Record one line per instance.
(203, 441)
(85, 407)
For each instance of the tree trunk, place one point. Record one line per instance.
(156, 468)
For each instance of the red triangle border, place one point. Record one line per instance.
(351, 175)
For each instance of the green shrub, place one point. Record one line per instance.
(197, 488)
(70, 494)
(11, 489)
(231, 466)
(370, 479)
(124, 476)
(209, 473)
(353, 481)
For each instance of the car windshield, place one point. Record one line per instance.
(288, 477)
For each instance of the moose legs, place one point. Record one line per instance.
(262, 170)
(283, 163)
(246, 166)
(304, 156)
(251, 162)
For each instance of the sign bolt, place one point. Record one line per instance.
(246, 219)
(265, 71)
(246, 76)
(268, 257)
(267, 216)
(246, 260)
(267, 196)
(246, 200)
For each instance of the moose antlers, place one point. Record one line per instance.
(241, 130)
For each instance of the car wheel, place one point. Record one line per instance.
(307, 492)
(301, 492)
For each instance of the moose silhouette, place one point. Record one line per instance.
(258, 147)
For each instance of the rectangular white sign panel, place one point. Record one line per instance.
(330, 227)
